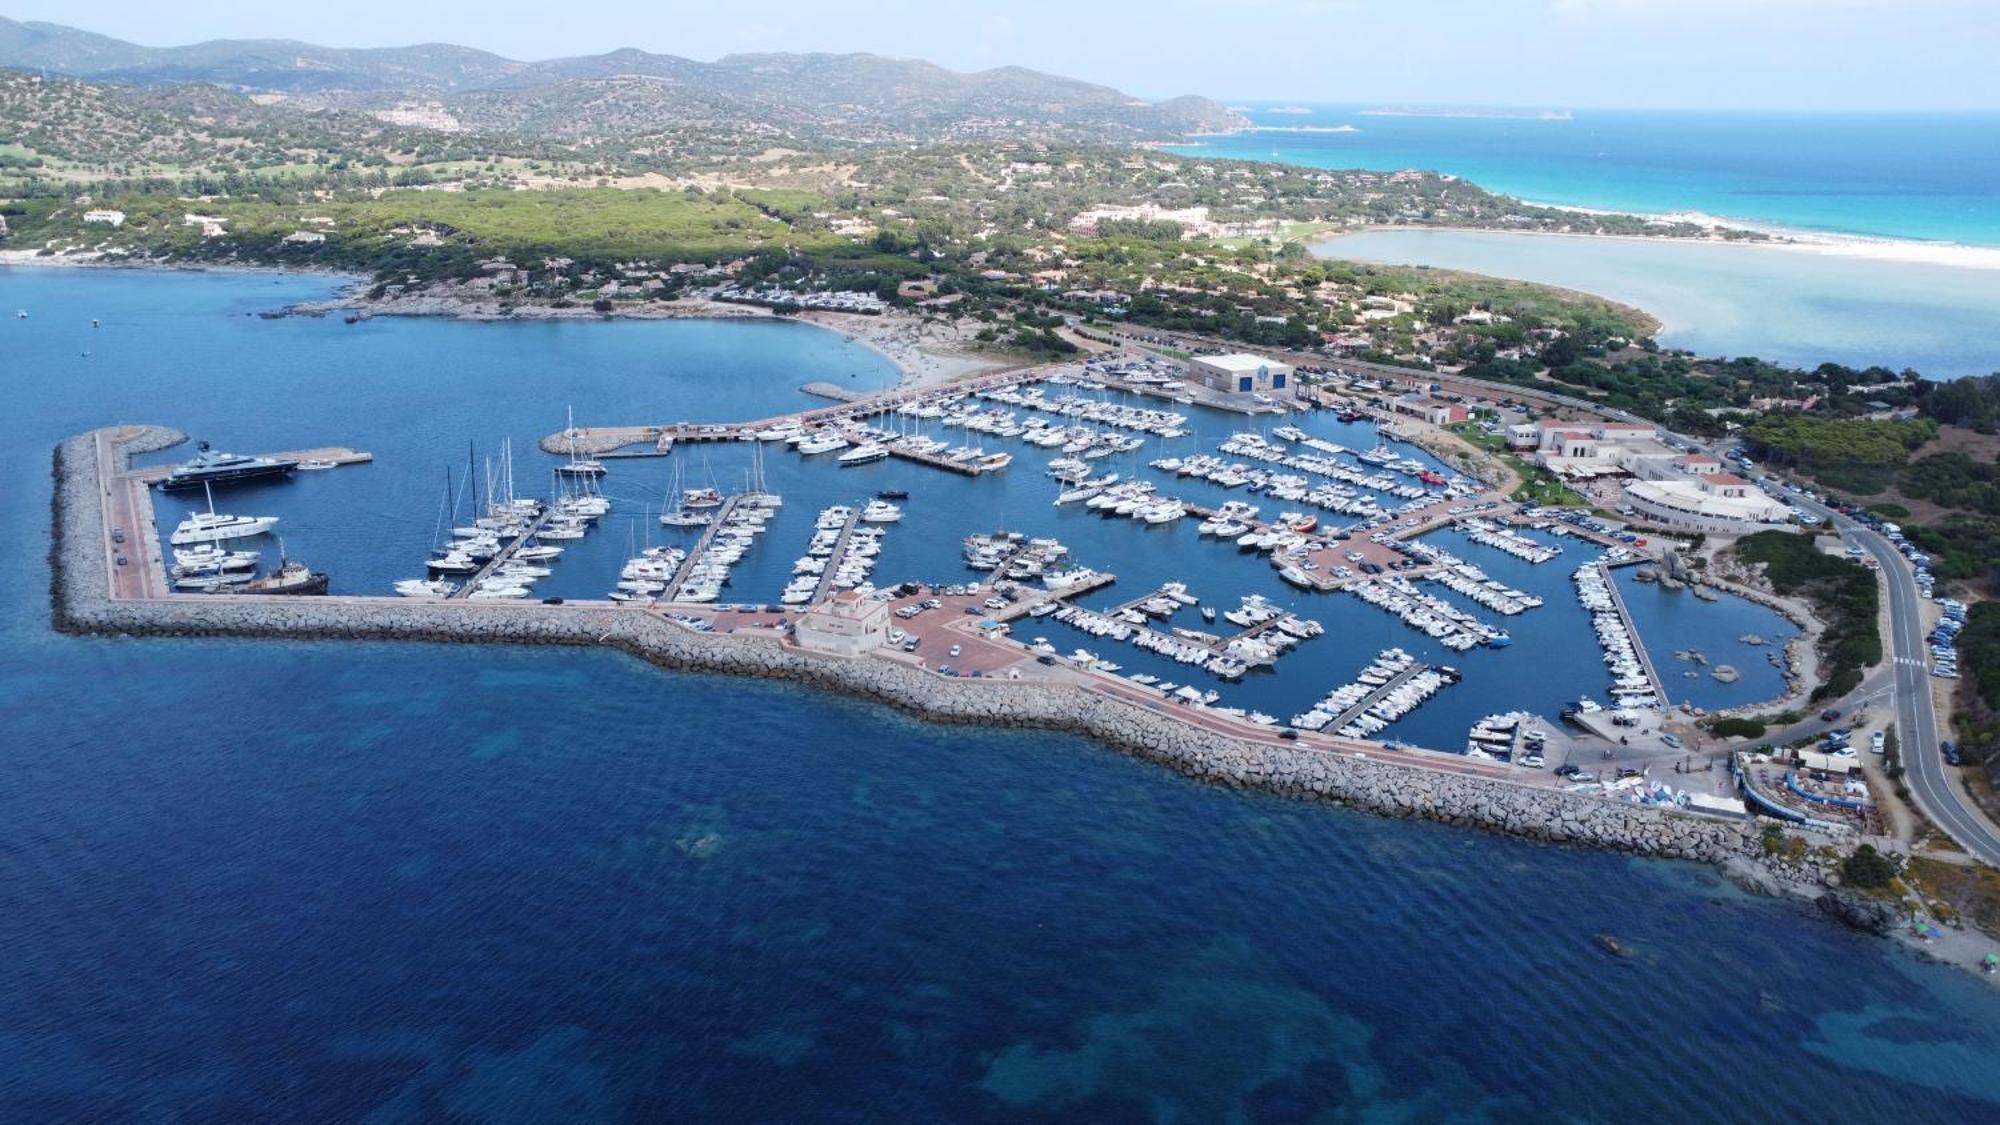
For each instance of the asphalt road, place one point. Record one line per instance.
(1916, 720)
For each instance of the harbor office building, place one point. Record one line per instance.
(847, 623)
(1240, 374)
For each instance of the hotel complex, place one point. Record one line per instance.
(1685, 491)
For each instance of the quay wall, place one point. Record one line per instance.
(1377, 782)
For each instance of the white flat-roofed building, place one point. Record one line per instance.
(1708, 502)
(108, 217)
(1241, 373)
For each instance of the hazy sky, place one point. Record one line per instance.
(1747, 54)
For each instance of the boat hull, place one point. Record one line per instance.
(313, 585)
(177, 481)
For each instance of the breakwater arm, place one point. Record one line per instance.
(86, 468)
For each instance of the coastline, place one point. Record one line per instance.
(1950, 254)
(900, 338)
(916, 347)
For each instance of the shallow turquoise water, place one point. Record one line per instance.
(1931, 177)
(292, 881)
(1783, 305)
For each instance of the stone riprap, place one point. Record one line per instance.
(1377, 782)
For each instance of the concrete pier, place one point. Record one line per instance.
(1378, 695)
(505, 553)
(1638, 642)
(686, 570)
(825, 588)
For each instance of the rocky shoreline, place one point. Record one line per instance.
(81, 603)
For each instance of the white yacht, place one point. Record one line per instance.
(863, 454)
(208, 527)
(879, 511)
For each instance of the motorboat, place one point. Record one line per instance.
(821, 443)
(425, 588)
(211, 558)
(863, 454)
(210, 583)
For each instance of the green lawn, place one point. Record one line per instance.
(1539, 486)
(1470, 431)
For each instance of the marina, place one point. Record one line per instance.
(1088, 475)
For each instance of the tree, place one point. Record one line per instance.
(1868, 869)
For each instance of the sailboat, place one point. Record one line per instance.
(578, 466)
(686, 516)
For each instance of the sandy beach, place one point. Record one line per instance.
(1953, 254)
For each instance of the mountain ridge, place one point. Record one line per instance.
(849, 95)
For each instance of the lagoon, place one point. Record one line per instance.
(1799, 306)
(272, 880)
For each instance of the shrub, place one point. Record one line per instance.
(1737, 728)
(1867, 869)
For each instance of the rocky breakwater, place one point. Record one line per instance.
(79, 566)
(1382, 782)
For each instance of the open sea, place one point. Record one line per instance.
(1914, 177)
(254, 881)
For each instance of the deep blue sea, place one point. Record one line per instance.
(1929, 177)
(253, 881)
